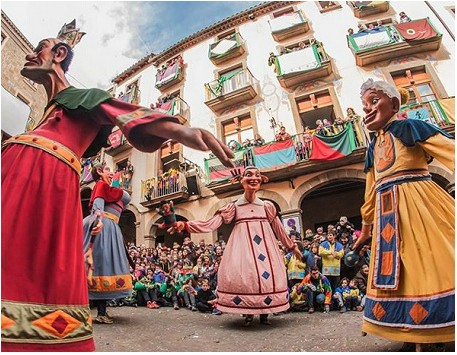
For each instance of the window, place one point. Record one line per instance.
(238, 129)
(170, 156)
(418, 83)
(315, 106)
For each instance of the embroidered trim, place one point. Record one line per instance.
(45, 323)
(111, 283)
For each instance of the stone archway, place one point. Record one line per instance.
(327, 196)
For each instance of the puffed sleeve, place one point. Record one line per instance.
(224, 215)
(367, 210)
(441, 148)
(277, 226)
(130, 119)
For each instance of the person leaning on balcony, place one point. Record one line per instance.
(282, 135)
(258, 140)
(404, 18)
(413, 224)
(76, 124)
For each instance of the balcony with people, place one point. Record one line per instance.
(173, 106)
(227, 48)
(288, 25)
(380, 41)
(177, 184)
(303, 62)
(364, 9)
(118, 143)
(231, 88)
(170, 73)
(328, 145)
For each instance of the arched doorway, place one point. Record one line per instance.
(127, 223)
(327, 203)
(224, 231)
(164, 238)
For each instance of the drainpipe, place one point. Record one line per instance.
(441, 20)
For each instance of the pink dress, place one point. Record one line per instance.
(252, 275)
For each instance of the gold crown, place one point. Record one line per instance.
(70, 34)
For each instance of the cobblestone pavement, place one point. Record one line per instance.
(166, 329)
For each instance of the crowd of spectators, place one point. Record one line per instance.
(185, 276)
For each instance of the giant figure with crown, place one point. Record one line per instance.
(44, 286)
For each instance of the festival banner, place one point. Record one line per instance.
(416, 30)
(298, 61)
(115, 139)
(333, 147)
(168, 107)
(167, 74)
(216, 171)
(370, 38)
(275, 155)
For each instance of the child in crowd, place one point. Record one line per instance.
(188, 293)
(342, 294)
(206, 300)
(355, 297)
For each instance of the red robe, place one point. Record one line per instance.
(44, 286)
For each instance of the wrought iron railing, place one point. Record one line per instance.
(229, 83)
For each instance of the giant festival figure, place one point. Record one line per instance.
(411, 285)
(252, 277)
(44, 287)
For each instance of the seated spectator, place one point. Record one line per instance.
(146, 293)
(342, 295)
(318, 290)
(282, 135)
(188, 293)
(355, 296)
(297, 299)
(403, 17)
(362, 280)
(206, 299)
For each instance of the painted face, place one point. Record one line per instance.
(251, 180)
(40, 61)
(379, 109)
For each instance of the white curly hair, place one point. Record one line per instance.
(380, 85)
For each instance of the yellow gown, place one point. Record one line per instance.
(410, 294)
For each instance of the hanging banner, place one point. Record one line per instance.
(216, 171)
(298, 61)
(167, 74)
(275, 155)
(333, 147)
(370, 38)
(416, 30)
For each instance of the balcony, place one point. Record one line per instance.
(364, 9)
(288, 25)
(394, 41)
(226, 49)
(231, 89)
(171, 185)
(295, 159)
(302, 65)
(118, 143)
(440, 113)
(176, 107)
(132, 96)
(170, 74)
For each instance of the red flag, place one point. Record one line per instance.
(416, 30)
